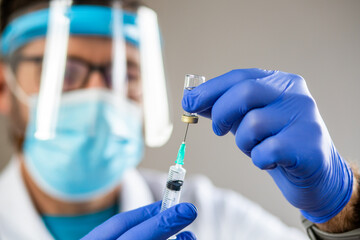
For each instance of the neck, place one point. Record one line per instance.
(46, 204)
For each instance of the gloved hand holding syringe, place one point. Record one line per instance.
(177, 173)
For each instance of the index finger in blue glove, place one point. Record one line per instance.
(249, 94)
(204, 96)
(120, 223)
(237, 101)
(163, 225)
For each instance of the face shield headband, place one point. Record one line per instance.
(34, 25)
(62, 20)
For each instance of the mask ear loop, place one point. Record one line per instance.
(15, 88)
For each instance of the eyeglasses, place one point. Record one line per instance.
(77, 71)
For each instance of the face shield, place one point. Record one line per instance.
(93, 79)
(62, 71)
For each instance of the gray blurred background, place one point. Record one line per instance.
(319, 40)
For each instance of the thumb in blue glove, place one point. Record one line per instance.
(276, 122)
(147, 223)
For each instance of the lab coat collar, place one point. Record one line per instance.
(135, 192)
(17, 212)
(18, 216)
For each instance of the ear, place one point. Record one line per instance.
(5, 102)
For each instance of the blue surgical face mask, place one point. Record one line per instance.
(98, 137)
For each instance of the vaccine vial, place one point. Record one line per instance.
(191, 82)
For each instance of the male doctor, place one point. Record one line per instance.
(80, 83)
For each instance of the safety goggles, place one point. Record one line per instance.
(58, 71)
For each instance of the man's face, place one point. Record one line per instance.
(92, 50)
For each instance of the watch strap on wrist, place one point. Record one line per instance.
(316, 234)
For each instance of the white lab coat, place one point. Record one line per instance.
(222, 214)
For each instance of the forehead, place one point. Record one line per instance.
(96, 50)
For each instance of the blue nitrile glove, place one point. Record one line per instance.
(147, 223)
(276, 122)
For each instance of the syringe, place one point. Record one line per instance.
(174, 181)
(177, 173)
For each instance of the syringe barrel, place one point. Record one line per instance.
(173, 187)
(191, 81)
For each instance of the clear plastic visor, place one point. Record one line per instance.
(88, 47)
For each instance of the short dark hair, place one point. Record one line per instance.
(10, 8)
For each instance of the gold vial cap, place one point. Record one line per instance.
(189, 119)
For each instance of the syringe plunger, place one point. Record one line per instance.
(173, 187)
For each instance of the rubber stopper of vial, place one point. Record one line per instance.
(181, 154)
